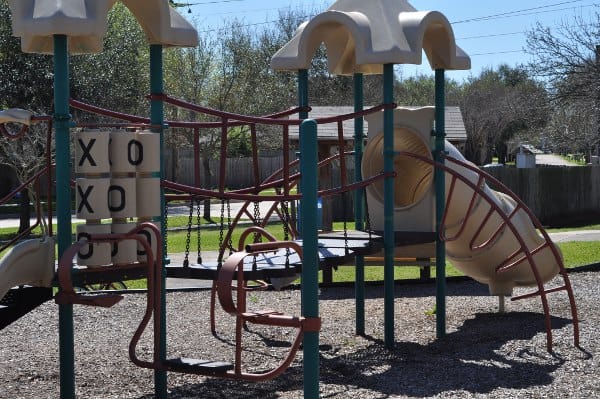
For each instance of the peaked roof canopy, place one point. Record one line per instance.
(85, 23)
(362, 36)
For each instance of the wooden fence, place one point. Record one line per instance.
(556, 194)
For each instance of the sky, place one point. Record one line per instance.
(492, 32)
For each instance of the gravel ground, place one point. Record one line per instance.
(484, 354)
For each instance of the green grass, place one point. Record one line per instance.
(576, 253)
(579, 253)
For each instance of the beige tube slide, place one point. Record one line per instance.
(478, 250)
(477, 242)
(29, 262)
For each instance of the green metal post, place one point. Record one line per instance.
(388, 205)
(359, 270)
(303, 103)
(310, 264)
(157, 118)
(440, 202)
(303, 92)
(63, 206)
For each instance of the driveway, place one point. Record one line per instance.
(552, 159)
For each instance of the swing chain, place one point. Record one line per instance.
(230, 240)
(367, 216)
(221, 235)
(166, 221)
(286, 220)
(257, 221)
(198, 234)
(286, 231)
(186, 260)
(344, 216)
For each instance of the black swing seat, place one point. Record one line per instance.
(271, 264)
(357, 242)
(197, 366)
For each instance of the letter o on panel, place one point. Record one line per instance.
(121, 197)
(124, 252)
(125, 154)
(152, 239)
(149, 162)
(97, 254)
(91, 152)
(91, 200)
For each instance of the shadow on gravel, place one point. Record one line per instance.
(472, 359)
(484, 354)
(461, 286)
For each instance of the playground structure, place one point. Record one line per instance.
(423, 193)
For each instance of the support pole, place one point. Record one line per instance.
(302, 103)
(303, 92)
(157, 119)
(388, 205)
(359, 266)
(440, 202)
(63, 206)
(310, 264)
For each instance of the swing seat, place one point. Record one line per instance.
(279, 263)
(197, 366)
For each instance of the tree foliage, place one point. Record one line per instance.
(566, 59)
(118, 77)
(498, 105)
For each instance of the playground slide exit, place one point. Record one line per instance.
(30, 262)
(471, 253)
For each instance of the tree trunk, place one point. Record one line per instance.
(24, 211)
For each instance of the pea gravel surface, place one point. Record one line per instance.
(485, 354)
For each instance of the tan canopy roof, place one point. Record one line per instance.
(361, 36)
(85, 23)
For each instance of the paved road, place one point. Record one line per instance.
(180, 210)
(552, 159)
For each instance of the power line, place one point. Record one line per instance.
(494, 35)
(497, 52)
(510, 13)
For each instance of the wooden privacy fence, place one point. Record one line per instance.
(556, 194)
(179, 167)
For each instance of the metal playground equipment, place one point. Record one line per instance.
(412, 190)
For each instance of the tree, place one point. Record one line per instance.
(496, 106)
(26, 83)
(567, 59)
(116, 78)
(420, 91)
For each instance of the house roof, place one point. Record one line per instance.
(455, 127)
(85, 23)
(362, 36)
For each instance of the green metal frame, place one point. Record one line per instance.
(388, 206)
(359, 264)
(157, 119)
(308, 220)
(440, 202)
(62, 120)
(310, 264)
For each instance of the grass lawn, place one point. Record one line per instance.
(576, 253)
